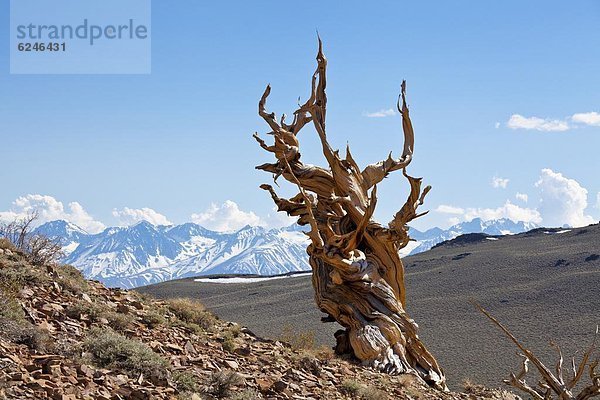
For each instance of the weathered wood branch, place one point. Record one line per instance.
(553, 383)
(357, 273)
(519, 382)
(374, 173)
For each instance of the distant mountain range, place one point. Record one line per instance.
(144, 253)
(426, 240)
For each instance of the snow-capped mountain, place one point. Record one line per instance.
(144, 253)
(70, 235)
(426, 240)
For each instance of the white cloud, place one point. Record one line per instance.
(131, 216)
(589, 118)
(226, 217)
(508, 210)
(446, 209)
(517, 121)
(381, 113)
(50, 209)
(497, 125)
(522, 196)
(453, 221)
(498, 182)
(563, 200)
(278, 219)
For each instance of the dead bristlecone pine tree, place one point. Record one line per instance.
(357, 273)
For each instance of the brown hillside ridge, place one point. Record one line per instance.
(65, 338)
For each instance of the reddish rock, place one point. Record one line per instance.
(263, 384)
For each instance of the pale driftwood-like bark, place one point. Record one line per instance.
(553, 385)
(357, 273)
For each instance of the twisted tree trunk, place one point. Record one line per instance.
(358, 276)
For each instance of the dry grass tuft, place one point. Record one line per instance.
(6, 244)
(191, 312)
(248, 394)
(221, 382)
(186, 382)
(72, 279)
(16, 328)
(304, 340)
(153, 319)
(82, 308)
(228, 342)
(359, 391)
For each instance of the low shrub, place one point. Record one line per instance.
(34, 337)
(9, 329)
(192, 312)
(221, 382)
(152, 319)
(235, 330)
(350, 387)
(93, 311)
(324, 353)
(186, 382)
(69, 348)
(6, 244)
(119, 321)
(372, 393)
(357, 390)
(72, 279)
(16, 328)
(10, 309)
(109, 349)
(39, 249)
(190, 327)
(42, 250)
(18, 273)
(247, 394)
(228, 342)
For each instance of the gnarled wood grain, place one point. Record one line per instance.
(358, 276)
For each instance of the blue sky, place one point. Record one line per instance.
(504, 98)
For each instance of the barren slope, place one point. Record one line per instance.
(545, 284)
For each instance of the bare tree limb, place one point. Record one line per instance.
(374, 173)
(552, 383)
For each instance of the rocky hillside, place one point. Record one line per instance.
(62, 337)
